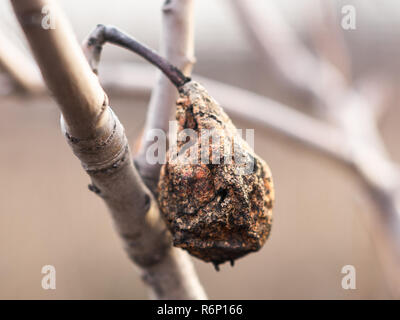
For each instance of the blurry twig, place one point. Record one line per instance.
(341, 104)
(137, 80)
(296, 69)
(327, 36)
(18, 67)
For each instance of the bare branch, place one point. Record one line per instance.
(18, 67)
(137, 79)
(103, 34)
(69, 77)
(296, 68)
(328, 37)
(98, 140)
(177, 46)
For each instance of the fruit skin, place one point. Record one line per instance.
(217, 212)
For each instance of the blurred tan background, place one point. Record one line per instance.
(322, 213)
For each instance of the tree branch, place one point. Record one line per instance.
(98, 140)
(103, 34)
(328, 37)
(177, 46)
(18, 67)
(136, 79)
(297, 70)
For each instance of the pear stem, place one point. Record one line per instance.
(103, 34)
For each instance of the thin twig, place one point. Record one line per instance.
(103, 34)
(18, 67)
(328, 37)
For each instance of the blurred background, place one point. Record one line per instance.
(323, 215)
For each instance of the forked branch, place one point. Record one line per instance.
(177, 44)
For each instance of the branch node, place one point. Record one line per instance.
(92, 187)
